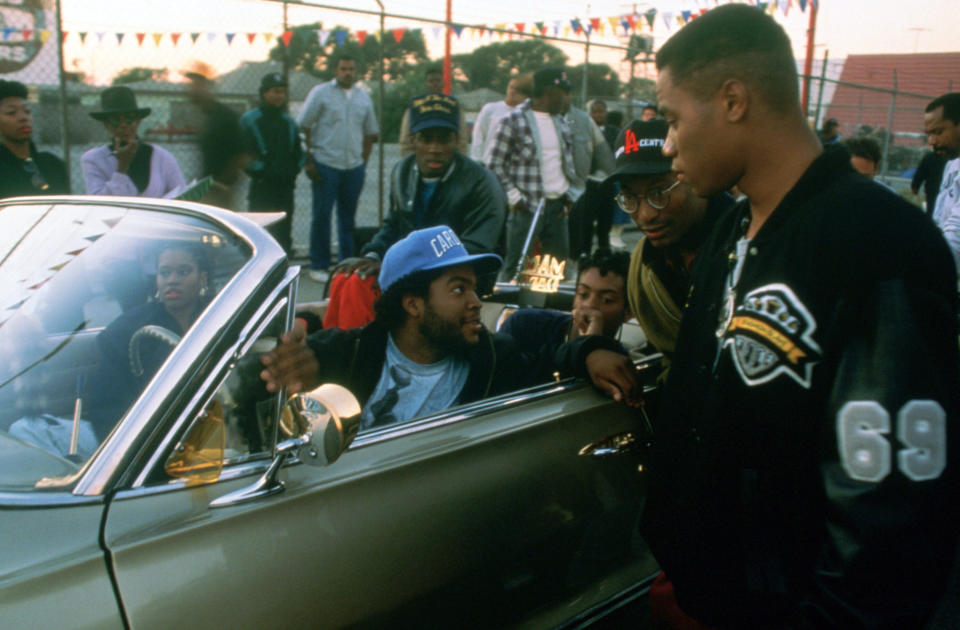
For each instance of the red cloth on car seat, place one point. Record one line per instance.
(351, 301)
(665, 612)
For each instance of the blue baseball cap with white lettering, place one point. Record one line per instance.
(431, 248)
(640, 150)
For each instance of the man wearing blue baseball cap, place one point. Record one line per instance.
(426, 350)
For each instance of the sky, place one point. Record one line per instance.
(843, 27)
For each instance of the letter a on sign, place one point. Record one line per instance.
(630, 142)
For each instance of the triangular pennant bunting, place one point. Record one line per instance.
(83, 37)
(251, 37)
(651, 15)
(119, 38)
(341, 36)
(140, 37)
(175, 37)
(457, 28)
(398, 34)
(361, 37)
(194, 37)
(322, 36)
(156, 38)
(286, 37)
(230, 37)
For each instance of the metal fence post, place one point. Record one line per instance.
(889, 134)
(380, 119)
(64, 131)
(823, 77)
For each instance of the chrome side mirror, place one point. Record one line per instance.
(322, 424)
(330, 419)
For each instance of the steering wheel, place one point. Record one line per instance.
(154, 332)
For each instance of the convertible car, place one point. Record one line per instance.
(164, 483)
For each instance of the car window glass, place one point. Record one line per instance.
(95, 298)
(248, 412)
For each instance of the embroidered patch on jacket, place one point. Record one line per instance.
(771, 333)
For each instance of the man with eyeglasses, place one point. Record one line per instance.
(23, 169)
(674, 221)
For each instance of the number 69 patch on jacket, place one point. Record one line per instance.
(771, 333)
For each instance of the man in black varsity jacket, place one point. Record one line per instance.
(804, 472)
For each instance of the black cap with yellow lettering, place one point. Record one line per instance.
(640, 150)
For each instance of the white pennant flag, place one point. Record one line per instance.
(322, 36)
(668, 19)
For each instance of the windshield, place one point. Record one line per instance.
(93, 301)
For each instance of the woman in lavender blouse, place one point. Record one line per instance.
(128, 166)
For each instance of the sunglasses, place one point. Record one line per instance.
(115, 119)
(658, 198)
(36, 179)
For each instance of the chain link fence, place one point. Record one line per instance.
(66, 80)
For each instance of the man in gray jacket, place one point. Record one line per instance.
(592, 162)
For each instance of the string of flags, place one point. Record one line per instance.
(626, 24)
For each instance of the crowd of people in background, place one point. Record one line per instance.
(775, 273)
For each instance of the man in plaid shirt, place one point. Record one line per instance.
(532, 157)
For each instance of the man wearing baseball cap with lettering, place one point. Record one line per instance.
(675, 222)
(427, 348)
(437, 185)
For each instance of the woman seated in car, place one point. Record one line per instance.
(126, 165)
(133, 347)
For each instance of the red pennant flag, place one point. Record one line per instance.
(140, 37)
(65, 33)
(398, 34)
(286, 37)
(520, 26)
(28, 34)
(632, 21)
(175, 37)
(361, 37)
(595, 23)
(702, 11)
(251, 37)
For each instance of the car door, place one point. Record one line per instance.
(483, 515)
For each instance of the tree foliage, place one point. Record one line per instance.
(305, 52)
(602, 80)
(139, 73)
(490, 66)
(643, 90)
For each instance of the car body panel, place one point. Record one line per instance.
(53, 571)
(473, 519)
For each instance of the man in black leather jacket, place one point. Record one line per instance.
(437, 185)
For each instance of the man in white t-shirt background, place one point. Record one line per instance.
(532, 156)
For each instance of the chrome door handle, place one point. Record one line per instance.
(620, 444)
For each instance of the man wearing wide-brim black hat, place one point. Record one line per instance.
(126, 165)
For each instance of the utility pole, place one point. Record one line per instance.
(808, 63)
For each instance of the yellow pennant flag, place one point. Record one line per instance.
(44, 35)
(614, 22)
(566, 30)
(156, 38)
(268, 37)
